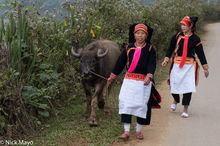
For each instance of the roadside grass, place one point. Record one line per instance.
(72, 128)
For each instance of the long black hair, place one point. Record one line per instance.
(131, 33)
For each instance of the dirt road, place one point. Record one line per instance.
(202, 128)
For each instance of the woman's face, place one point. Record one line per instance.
(140, 36)
(185, 28)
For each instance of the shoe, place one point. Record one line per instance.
(184, 115)
(173, 107)
(124, 136)
(139, 135)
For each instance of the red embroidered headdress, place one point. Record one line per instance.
(141, 27)
(134, 27)
(186, 21)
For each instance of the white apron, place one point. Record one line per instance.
(133, 98)
(182, 80)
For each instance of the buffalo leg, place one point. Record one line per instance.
(88, 100)
(98, 92)
(88, 106)
(101, 102)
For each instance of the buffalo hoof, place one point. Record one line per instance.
(101, 104)
(93, 123)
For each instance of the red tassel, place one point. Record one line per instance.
(185, 46)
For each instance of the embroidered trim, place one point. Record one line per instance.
(113, 76)
(177, 36)
(178, 59)
(134, 76)
(177, 44)
(130, 50)
(141, 29)
(205, 66)
(150, 75)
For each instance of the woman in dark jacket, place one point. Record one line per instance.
(184, 68)
(140, 61)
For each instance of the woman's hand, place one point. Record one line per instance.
(110, 80)
(164, 63)
(147, 80)
(206, 72)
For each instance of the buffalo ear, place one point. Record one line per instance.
(76, 54)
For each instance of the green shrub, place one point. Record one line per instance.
(211, 12)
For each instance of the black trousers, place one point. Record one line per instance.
(128, 118)
(186, 98)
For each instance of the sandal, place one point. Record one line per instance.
(124, 136)
(139, 135)
(184, 115)
(173, 107)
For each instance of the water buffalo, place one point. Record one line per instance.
(99, 57)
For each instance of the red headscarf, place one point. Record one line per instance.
(186, 21)
(141, 27)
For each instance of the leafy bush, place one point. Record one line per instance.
(211, 12)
